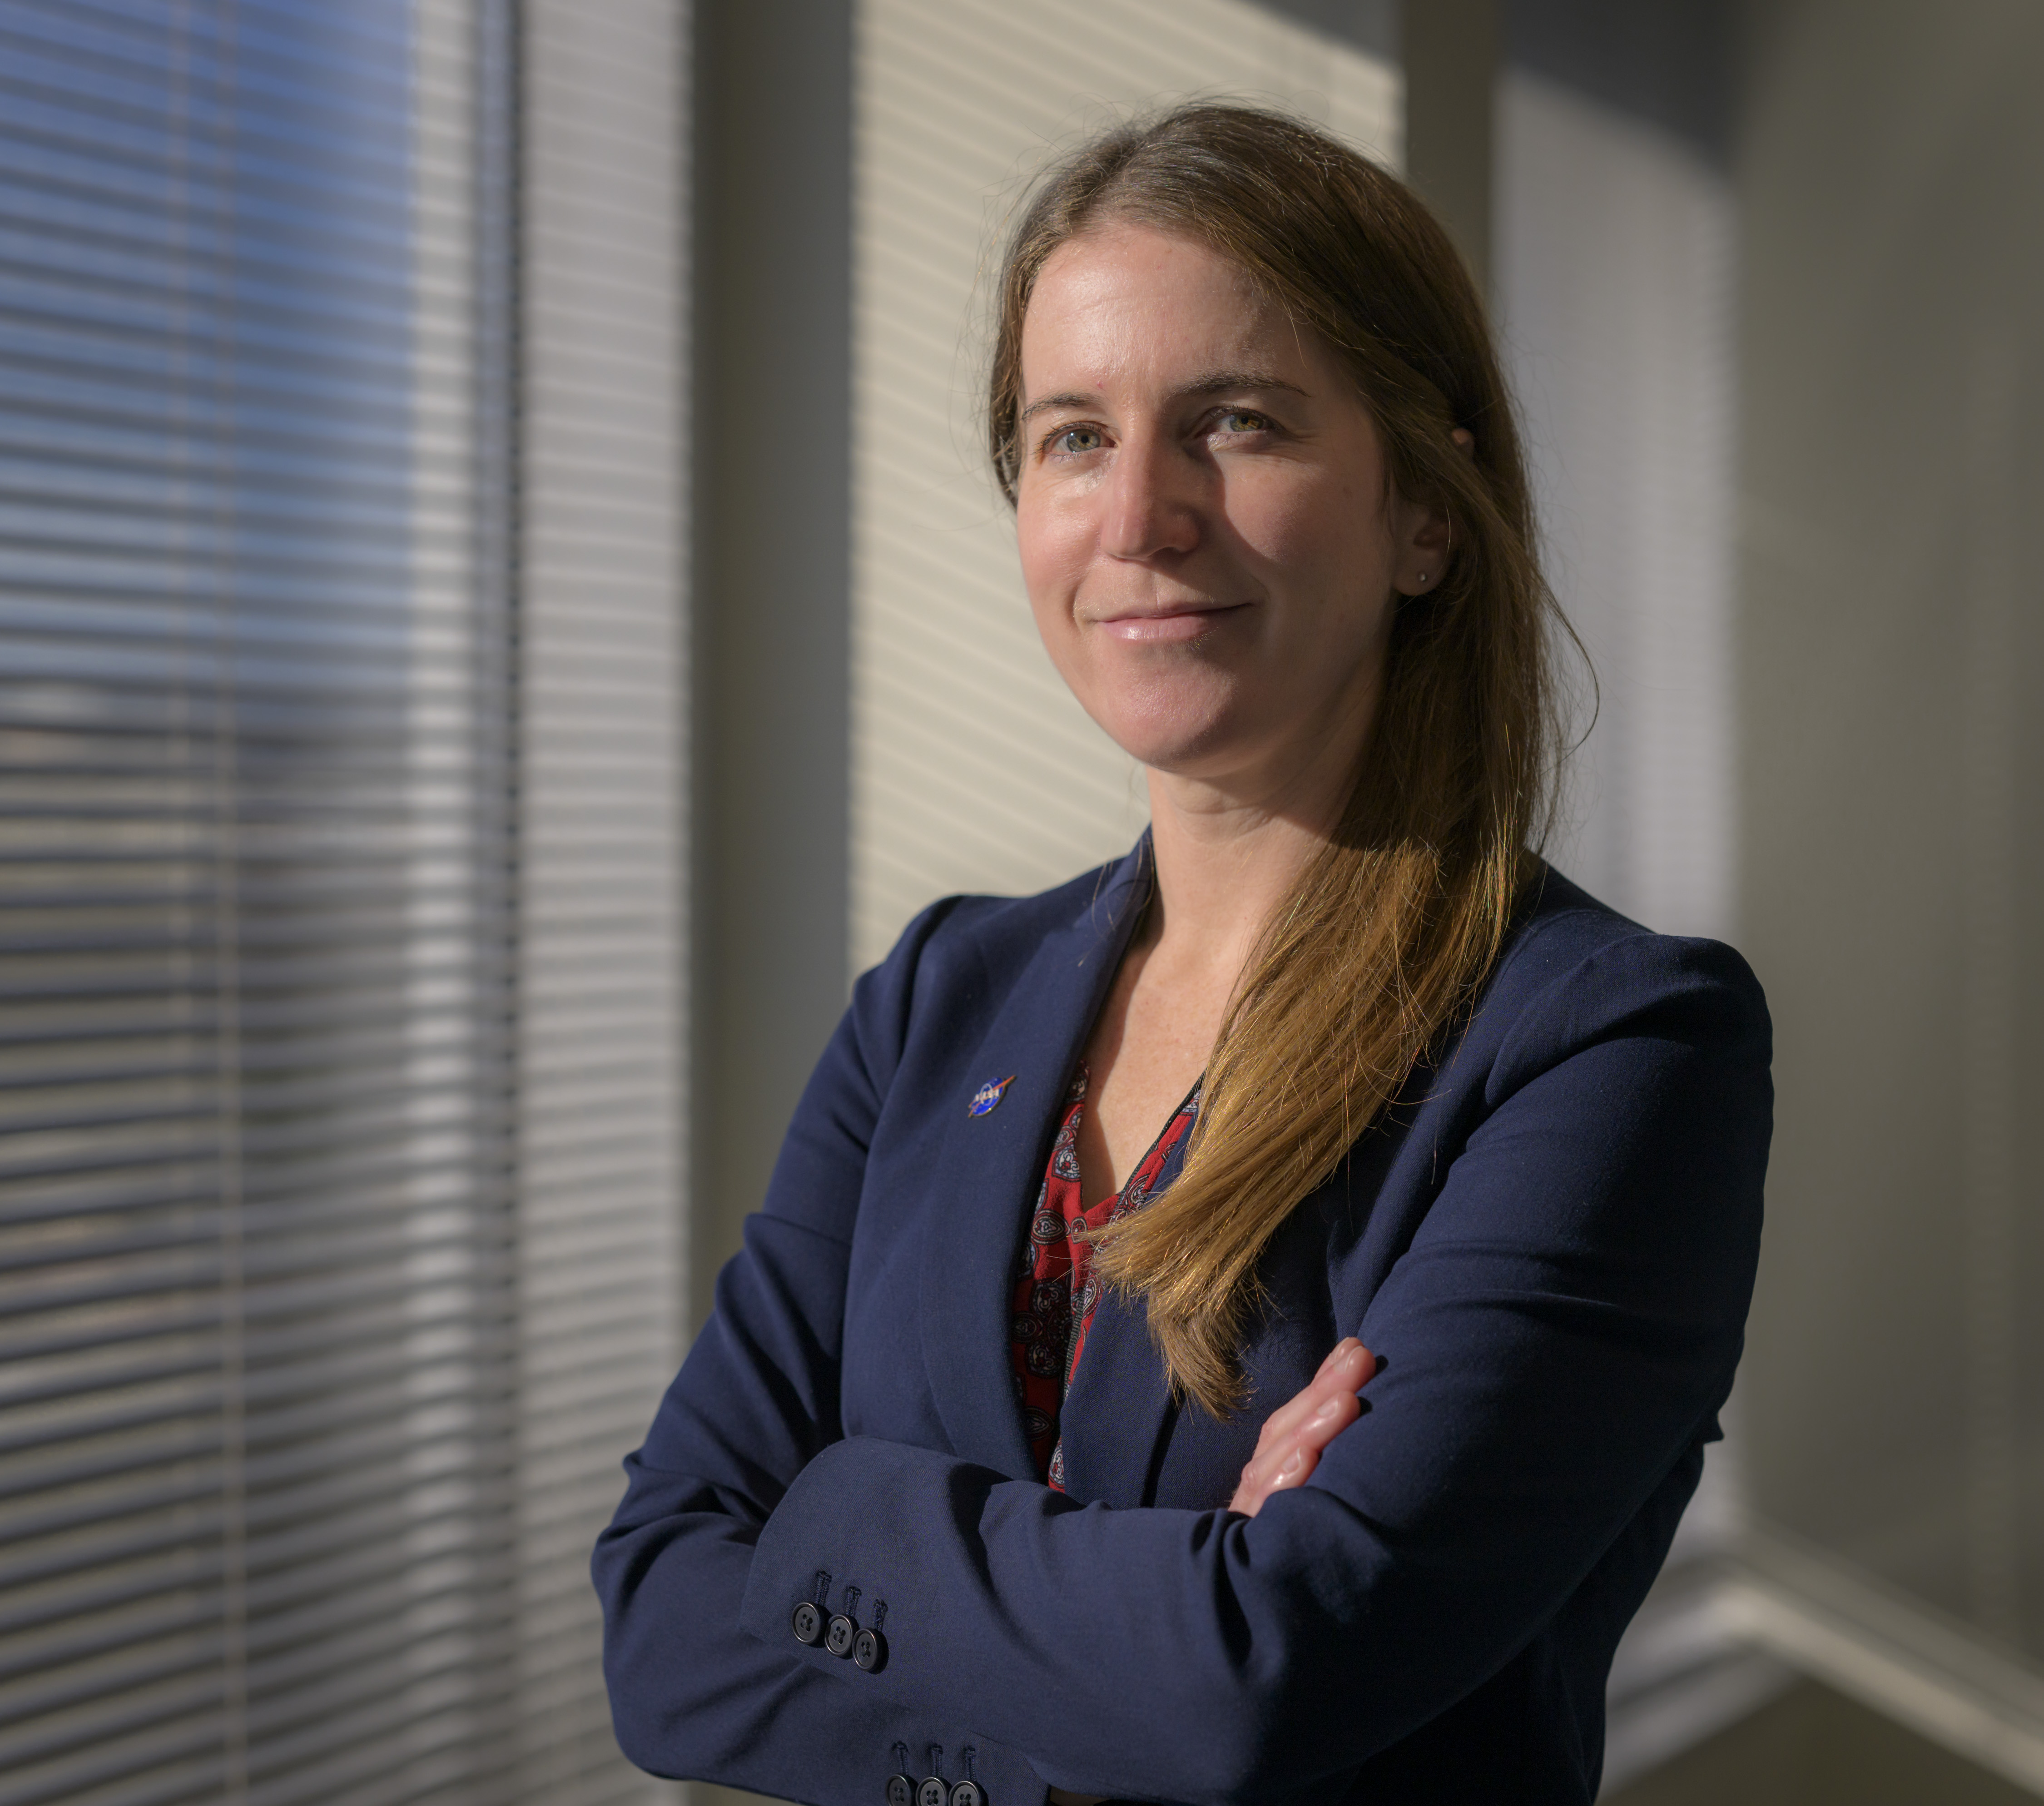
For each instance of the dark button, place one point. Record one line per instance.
(838, 1639)
(967, 1793)
(868, 1650)
(932, 1792)
(808, 1623)
(901, 1790)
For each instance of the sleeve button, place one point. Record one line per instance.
(838, 1639)
(808, 1623)
(967, 1793)
(900, 1791)
(868, 1651)
(932, 1792)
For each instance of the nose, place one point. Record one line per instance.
(1151, 499)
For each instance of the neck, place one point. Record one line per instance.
(1230, 853)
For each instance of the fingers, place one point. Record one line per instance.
(1343, 1351)
(1348, 1368)
(1347, 1356)
(1329, 1417)
(1289, 1445)
(1334, 1416)
(1275, 1470)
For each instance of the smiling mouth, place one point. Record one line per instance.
(1162, 626)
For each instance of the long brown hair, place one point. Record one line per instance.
(1395, 924)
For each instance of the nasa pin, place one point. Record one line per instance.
(988, 1096)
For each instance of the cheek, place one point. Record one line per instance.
(1317, 532)
(1052, 553)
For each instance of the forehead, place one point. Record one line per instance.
(1125, 302)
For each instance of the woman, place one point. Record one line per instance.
(1035, 1443)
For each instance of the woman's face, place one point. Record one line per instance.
(1208, 536)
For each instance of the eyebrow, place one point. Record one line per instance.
(1219, 381)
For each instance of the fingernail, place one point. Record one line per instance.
(1327, 1412)
(1292, 1466)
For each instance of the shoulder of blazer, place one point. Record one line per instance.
(961, 957)
(1001, 936)
(1574, 970)
(1569, 963)
(1005, 932)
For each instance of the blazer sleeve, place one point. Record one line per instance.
(693, 1695)
(1554, 1340)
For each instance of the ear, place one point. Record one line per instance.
(1425, 537)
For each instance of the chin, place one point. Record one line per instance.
(1174, 712)
(1184, 741)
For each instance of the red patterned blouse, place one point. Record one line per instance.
(1055, 1295)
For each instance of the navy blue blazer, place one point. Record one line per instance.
(1549, 1241)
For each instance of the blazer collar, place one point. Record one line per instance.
(1119, 1410)
(990, 1166)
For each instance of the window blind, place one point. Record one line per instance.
(602, 826)
(282, 1388)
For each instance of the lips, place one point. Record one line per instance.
(1151, 627)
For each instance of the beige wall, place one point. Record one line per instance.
(1892, 644)
(1615, 260)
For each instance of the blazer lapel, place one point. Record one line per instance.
(1119, 1410)
(990, 1166)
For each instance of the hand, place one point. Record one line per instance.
(1289, 1449)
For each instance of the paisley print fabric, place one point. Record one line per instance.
(1056, 1292)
